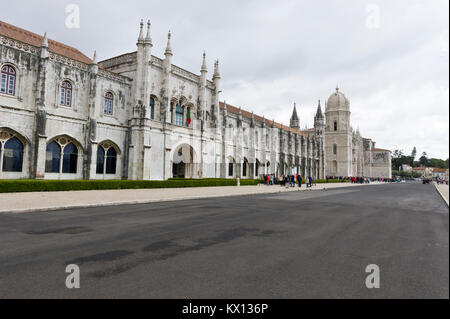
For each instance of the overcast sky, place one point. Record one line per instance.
(390, 58)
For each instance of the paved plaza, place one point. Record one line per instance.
(314, 244)
(38, 201)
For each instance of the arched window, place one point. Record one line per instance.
(335, 149)
(230, 168)
(100, 160)
(111, 161)
(335, 125)
(152, 108)
(53, 157)
(244, 168)
(108, 104)
(70, 158)
(66, 94)
(106, 158)
(61, 157)
(8, 80)
(179, 115)
(12, 155)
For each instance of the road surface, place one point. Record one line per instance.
(313, 244)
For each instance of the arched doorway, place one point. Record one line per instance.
(183, 165)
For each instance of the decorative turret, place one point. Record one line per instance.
(216, 70)
(319, 114)
(138, 83)
(148, 38)
(168, 51)
(295, 122)
(94, 66)
(204, 69)
(141, 33)
(44, 47)
(319, 120)
(44, 43)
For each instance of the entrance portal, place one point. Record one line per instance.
(183, 162)
(179, 170)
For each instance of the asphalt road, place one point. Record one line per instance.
(313, 244)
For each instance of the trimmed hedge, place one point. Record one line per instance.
(31, 185)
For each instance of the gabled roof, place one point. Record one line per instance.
(246, 114)
(34, 39)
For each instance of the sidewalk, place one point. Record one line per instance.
(443, 190)
(43, 201)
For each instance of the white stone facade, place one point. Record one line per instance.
(138, 117)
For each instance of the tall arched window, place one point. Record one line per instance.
(111, 161)
(231, 167)
(335, 125)
(152, 108)
(244, 168)
(179, 115)
(106, 158)
(12, 152)
(100, 160)
(66, 94)
(62, 156)
(70, 159)
(335, 149)
(108, 104)
(53, 157)
(8, 80)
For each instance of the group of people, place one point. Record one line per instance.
(289, 180)
(358, 180)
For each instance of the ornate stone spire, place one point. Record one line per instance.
(168, 47)
(295, 123)
(148, 38)
(204, 68)
(44, 43)
(216, 70)
(141, 32)
(319, 113)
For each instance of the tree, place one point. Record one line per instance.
(423, 159)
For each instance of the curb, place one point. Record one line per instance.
(148, 201)
(440, 193)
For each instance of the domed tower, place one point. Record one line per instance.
(338, 135)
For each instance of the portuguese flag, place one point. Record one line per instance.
(188, 117)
